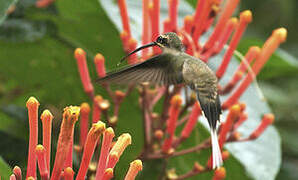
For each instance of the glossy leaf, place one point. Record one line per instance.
(5, 170)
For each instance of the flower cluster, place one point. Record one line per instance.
(40, 154)
(161, 137)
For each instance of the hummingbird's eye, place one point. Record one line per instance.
(159, 39)
(162, 40)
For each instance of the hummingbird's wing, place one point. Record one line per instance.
(161, 69)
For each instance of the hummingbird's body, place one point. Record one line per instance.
(174, 66)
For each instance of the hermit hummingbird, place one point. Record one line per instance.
(174, 66)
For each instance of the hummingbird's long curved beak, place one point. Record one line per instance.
(136, 50)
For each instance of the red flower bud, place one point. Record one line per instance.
(46, 119)
(267, 120)
(93, 136)
(80, 56)
(134, 168)
(219, 174)
(32, 105)
(70, 116)
(233, 115)
(108, 136)
(99, 62)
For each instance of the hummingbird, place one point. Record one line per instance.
(173, 66)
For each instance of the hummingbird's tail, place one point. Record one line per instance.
(216, 152)
(212, 111)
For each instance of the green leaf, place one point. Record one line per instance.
(4, 6)
(46, 69)
(5, 170)
(260, 158)
(12, 126)
(17, 30)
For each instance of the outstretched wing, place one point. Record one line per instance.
(161, 69)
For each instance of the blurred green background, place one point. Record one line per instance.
(36, 50)
(280, 89)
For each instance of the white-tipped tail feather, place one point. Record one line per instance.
(216, 152)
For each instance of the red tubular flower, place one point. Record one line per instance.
(124, 16)
(132, 45)
(245, 18)
(69, 157)
(93, 136)
(252, 54)
(42, 162)
(134, 168)
(146, 32)
(233, 115)
(17, 172)
(215, 8)
(70, 116)
(173, 8)
(241, 120)
(219, 174)
(124, 36)
(122, 142)
(46, 119)
(84, 122)
(192, 120)
(171, 122)
(80, 56)
(176, 102)
(112, 160)
(32, 105)
(198, 12)
(104, 152)
(154, 17)
(188, 22)
(201, 19)
(267, 120)
(108, 174)
(167, 145)
(96, 113)
(99, 62)
(224, 37)
(225, 15)
(166, 25)
(68, 173)
(278, 36)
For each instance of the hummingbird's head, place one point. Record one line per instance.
(170, 40)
